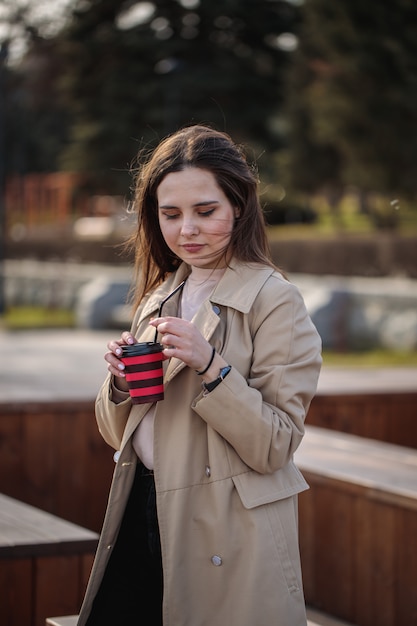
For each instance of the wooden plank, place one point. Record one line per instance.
(335, 551)
(86, 563)
(385, 471)
(384, 416)
(375, 555)
(11, 450)
(327, 549)
(78, 440)
(57, 587)
(405, 543)
(40, 460)
(26, 531)
(16, 592)
(358, 528)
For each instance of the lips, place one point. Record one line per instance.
(192, 247)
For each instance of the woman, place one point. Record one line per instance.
(201, 526)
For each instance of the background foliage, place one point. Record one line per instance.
(353, 96)
(113, 85)
(323, 92)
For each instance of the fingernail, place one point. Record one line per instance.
(130, 340)
(121, 366)
(118, 351)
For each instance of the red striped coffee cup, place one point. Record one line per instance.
(144, 373)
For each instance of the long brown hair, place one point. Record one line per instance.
(208, 149)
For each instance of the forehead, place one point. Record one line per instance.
(190, 183)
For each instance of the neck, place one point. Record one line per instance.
(200, 273)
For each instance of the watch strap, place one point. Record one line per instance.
(214, 383)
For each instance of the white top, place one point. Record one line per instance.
(198, 287)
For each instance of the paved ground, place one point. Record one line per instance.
(60, 365)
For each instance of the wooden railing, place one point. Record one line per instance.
(389, 417)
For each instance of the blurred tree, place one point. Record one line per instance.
(353, 97)
(132, 72)
(36, 118)
(38, 114)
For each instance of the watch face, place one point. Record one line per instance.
(225, 370)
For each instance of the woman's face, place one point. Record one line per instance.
(195, 217)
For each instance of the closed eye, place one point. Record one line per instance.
(172, 215)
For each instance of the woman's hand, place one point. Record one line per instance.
(183, 340)
(115, 365)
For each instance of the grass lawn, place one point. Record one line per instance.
(371, 358)
(348, 221)
(20, 318)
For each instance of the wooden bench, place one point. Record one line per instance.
(358, 528)
(44, 564)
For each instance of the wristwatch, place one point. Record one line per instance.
(222, 375)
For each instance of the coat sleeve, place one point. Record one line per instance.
(111, 418)
(262, 415)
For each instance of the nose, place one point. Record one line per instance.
(189, 228)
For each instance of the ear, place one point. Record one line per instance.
(236, 212)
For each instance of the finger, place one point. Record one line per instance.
(166, 330)
(115, 345)
(157, 321)
(115, 366)
(128, 338)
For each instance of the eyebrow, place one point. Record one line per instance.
(196, 205)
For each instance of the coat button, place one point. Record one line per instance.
(116, 456)
(208, 471)
(216, 309)
(216, 560)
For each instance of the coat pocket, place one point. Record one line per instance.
(256, 489)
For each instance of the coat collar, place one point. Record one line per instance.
(240, 285)
(237, 288)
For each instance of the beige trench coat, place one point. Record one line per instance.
(225, 479)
